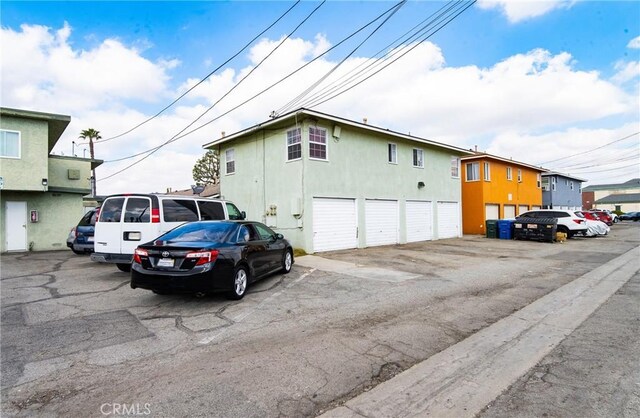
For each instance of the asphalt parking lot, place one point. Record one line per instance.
(76, 340)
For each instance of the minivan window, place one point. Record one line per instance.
(111, 210)
(234, 213)
(211, 211)
(138, 210)
(175, 210)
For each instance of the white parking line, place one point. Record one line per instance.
(249, 312)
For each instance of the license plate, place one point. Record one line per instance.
(518, 226)
(532, 226)
(165, 262)
(89, 239)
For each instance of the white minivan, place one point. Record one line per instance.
(128, 220)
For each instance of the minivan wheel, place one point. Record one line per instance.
(240, 283)
(124, 267)
(287, 262)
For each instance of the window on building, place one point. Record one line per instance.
(230, 161)
(473, 171)
(553, 184)
(538, 180)
(571, 185)
(317, 143)
(509, 174)
(487, 171)
(545, 184)
(9, 144)
(294, 144)
(418, 158)
(455, 167)
(392, 152)
(519, 176)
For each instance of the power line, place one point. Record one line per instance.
(611, 169)
(591, 150)
(600, 162)
(205, 78)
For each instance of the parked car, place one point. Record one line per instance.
(590, 216)
(631, 216)
(596, 228)
(126, 220)
(80, 238)
(569, 222)
(210, 256)
(603, 216)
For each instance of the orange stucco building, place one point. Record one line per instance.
(497, 188)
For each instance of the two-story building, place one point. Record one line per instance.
(329, 183)
(561, 191)
(41, 193)
(497, 188)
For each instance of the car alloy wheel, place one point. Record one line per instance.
(287, 262)
(239, 283)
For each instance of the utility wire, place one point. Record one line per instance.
(589, 164)
(203, 79)
(611, 169)
(153, 150)
(591, 150)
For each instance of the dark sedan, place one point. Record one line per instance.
(631, 216)
(210, 256)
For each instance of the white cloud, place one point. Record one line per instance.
(520, 10)
(626, 71)
(634, 43)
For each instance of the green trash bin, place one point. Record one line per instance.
(492, 228)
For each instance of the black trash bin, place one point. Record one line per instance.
(492, 228)
(535, 229)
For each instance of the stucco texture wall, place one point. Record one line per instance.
(59, 173)
(27, 172)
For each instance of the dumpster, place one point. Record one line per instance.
(505, 229)
(536, 229)
(492, 228)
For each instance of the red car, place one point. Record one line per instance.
(604, 216)
(591, 216)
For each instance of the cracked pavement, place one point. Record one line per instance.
(75, 336)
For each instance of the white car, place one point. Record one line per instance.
(568, 221)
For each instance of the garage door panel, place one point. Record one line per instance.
(491, 211)
(334, 224)
(419, 215)
(448, 219)
(381, 222)
(509, 211)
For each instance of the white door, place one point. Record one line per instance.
(522, 209)
(16, 226)
(335, 225)
(491, 211)
(419, 221)
(381, 220)
(509, 211)
(448, 219)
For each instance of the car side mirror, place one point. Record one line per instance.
(243, 215)
(279, 236)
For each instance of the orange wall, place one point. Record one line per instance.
(499, 190)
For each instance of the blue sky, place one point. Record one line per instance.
(504, 75)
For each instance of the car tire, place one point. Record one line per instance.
(564, 229)
(77, 252)
(161, 292)
(124, 267)
(240, 283)
(287, 262)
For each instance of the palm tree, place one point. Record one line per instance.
(92, 135)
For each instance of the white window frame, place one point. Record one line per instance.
(392, 153)
(509, 174)
(545, 184)
(571, 184)
(12, 157)
(289, 145)
(415, 153)
(455, 165)
(325, 144)
(227, 161)
(467, 171)
(539, 180)
(519, 176)
(553, 184)
(486, 168)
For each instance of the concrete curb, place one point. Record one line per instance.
(461, 380)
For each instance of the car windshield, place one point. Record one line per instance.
(198, 232)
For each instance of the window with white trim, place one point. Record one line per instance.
(392, 153)
(9, 144)
(509, 174)
(571, 185)
(455, 167)
(519, 176)
(473, 171)
(230, 161)
(545, 184)
(317, 143)
(538, 180)
(553, 184)
(418, 158)
(294, 144)
(487, 171)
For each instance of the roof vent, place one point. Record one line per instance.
(364, 120)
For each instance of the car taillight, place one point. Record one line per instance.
(74, 231)
(204, 257)
(139, 253)
(155, 216)
(97, 214)
(578, 221)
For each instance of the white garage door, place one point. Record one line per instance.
(334, 224)
(419, 221)
(522, 209)
(448, 219)
(509, 211)
(534, 207)
(491, 211)
(381, 220)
